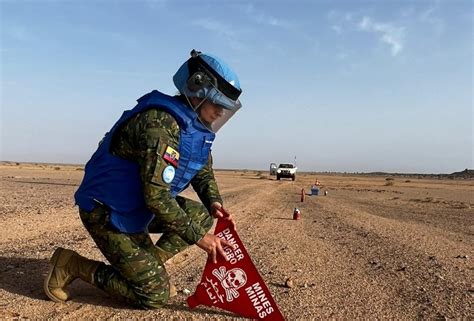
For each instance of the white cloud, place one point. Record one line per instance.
(429, 16)
(342, 55)
(18, 33)
(348, 16)
(337, 29)
(221, 30)
(341, 22)
(389, 34)
(335, 15)
(266, 19)
(407, 12)
(215, 26)
(156, 4)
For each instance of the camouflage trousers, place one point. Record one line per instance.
(136, 271)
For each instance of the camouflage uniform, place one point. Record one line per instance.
(137, 270)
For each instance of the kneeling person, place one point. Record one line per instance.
(132, 183)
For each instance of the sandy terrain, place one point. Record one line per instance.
(367, 250)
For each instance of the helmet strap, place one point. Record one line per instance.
(195, 108)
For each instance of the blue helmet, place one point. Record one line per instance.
(208, 77)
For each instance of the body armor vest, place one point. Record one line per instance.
(116, 183)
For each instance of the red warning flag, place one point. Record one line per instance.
(234, 285)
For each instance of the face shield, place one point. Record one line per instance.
(216, 109)
(220, 121)
(218, 87)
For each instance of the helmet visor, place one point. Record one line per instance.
(218, 98)
(222, 120)
(216, 115)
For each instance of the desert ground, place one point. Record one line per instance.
(372, 248)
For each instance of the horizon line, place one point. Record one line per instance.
(17, 163)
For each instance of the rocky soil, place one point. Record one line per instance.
(372, 248)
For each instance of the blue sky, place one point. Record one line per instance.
(341, 85)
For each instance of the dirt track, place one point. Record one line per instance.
(366, 250)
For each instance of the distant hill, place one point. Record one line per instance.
(466, 174)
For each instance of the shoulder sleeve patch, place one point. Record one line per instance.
(168, 174)
(166, 160)
(171, 156)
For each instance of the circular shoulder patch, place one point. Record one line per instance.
(168, 174)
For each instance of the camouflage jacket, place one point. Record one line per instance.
(144, 139)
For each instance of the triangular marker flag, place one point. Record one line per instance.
(234, 285)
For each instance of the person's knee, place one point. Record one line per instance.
(153, 293)
(154, 300)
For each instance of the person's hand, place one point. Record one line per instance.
(213, 246)
(218, 211)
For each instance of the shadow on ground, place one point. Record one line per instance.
(25, 276)
(183, 307)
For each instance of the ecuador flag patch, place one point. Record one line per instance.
(171, 156)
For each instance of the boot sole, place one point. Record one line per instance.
(52, 264)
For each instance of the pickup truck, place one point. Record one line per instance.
(286, 170)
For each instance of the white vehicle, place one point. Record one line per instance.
(286, 170)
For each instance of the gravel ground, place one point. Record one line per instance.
(368, 249)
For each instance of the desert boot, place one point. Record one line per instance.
(64, 267)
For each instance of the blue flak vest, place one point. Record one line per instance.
(116, 183)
